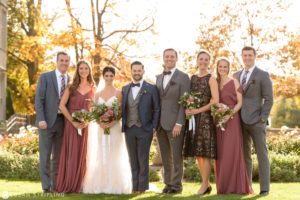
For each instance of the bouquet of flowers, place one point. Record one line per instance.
(219, 111)
(106, 114)
(191, 101)
(81, 116)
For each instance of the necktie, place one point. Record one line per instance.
(63, 85)
(135, 84)
(167, 72)
(244, 80)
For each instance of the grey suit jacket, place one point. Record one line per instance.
(171, 111)
(257, 97)
(47, 99)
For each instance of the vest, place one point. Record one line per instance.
(132, 110)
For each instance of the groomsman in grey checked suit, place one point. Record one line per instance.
(256, 107)
(50, 120)
(171, 84)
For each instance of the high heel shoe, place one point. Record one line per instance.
(207, 191)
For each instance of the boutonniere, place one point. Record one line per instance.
(143, 92)
(172, 83)
(252, 81)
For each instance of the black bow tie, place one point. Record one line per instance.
(167, 73)
(135, 84)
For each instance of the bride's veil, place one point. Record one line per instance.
(101, 84)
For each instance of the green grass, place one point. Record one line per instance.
(17, 189)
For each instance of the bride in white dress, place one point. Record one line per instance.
(108, 168)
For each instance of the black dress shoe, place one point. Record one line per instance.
(172, 191)
(264, 193)
(46, 191)
(165, 191)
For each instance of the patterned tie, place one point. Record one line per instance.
(63, 85)
(244, 80)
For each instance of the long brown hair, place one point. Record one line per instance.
(76, 80)
(218, 75)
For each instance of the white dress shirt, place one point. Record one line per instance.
(135, 90)
(248, 75)
(58, 78)
(167, 78)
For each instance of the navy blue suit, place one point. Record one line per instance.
(139, 137)
(149, 106)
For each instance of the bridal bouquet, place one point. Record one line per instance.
(106, 114)
(191, 100)
(219, 111)
(81, 116)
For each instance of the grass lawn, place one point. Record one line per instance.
(16, 189)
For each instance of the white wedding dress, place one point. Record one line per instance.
(108, 168)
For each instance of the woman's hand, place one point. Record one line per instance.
(227, 118)
(190, 112)
(78, 125)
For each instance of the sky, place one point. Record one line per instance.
(176, 23)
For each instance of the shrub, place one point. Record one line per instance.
(284, 168)
(16, 166)
(153, 175)
(284, 144)
(24, 143)
(192, 172)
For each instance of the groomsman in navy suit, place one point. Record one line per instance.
(141, 110)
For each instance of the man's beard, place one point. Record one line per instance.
(139, 78)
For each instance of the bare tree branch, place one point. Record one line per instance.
(129, 31)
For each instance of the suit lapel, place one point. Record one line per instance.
(173, 78)
(160, 83)
(126, 92)
(54, 80)
(251, 79)
(144, 86)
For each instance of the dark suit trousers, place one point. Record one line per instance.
(257, 132)
(138, 144)
(171, 153)
(50, 141)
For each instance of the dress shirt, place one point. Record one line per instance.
(248, 75)
(167, 78)
(135, 90)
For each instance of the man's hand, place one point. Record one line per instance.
(43, 125)
(176, 130)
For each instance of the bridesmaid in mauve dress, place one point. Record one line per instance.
(230, 168)
(72, 165)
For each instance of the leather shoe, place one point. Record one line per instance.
(165, 191)
(172, 191)
(46, 191)
(264, 193)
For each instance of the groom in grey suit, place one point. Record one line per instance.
(140, 118)
(50, 120)
(171, 84)
(256, 107)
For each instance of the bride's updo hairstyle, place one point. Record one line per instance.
(109, 69)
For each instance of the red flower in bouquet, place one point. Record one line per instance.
(106, 114)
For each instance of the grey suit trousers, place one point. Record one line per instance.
(171, 153)
(257, 132)
(50, 141)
